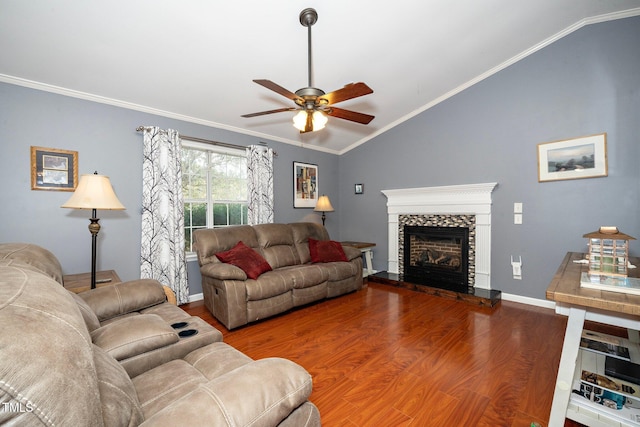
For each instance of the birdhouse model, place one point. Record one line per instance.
(608, 251)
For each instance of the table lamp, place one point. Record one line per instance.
(94, 192)
(323, 205)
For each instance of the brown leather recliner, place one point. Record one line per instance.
(52, 372)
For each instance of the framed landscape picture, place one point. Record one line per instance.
(584, 157)
(305, 185)
(54, 169)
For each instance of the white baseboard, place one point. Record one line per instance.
(196, 297)
(530, 301)
(507, 297)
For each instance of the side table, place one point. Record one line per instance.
(365, 248)
(82, 282)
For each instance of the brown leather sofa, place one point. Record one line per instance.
(235, 299)
(109, 357)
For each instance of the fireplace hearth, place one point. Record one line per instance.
(437, 256)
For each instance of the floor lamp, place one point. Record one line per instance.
(323, 205)
(94, 192)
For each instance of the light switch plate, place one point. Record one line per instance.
(517, 207)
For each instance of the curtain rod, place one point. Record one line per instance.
(208, 141)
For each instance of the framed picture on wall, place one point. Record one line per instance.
(54, 169)
(584, 157)
(305, 185)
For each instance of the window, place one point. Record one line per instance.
(214, 185)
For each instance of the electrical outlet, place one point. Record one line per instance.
(517, 268)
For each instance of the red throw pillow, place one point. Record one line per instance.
(326, 251)
(250, 261)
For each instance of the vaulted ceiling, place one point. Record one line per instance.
(195, 60)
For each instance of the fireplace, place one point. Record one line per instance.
(437, 256)
(455, 205)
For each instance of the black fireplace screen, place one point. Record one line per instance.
(436, 254)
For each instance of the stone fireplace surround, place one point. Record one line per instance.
(450, 202)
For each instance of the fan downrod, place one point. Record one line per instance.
(308, 17)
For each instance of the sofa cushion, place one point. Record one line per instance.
(162, 385)
(242, 256)
(306, 276)
(326, 251)
(134, 335)
(125, 297)
(270, 284)
(209, 241)
(341, 270)
(159, 387)
(302, 231)
(277, 245)
(120, 406)
(277, 387)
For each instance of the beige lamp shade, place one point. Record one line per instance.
(94, 192)
(323, 205)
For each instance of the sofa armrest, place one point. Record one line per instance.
(134, 335)
(351, 252)
(262, 393)
(223, 271)
(123, 298)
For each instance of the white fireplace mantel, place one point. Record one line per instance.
(472, 199)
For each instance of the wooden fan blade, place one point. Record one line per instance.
(349, 115)
(277, 89)
(262, 113)
(350, 91)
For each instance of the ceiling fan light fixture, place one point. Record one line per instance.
(313, 104)
(300, 120)
(318, 119)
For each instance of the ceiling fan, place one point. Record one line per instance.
(314, 105)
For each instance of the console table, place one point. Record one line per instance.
(365, 248)
(580, 304)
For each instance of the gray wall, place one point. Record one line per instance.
(586, 83)
(107, 142)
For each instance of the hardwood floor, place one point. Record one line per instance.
(386, 356)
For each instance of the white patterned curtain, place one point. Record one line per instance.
(162, 253)
(260, 184)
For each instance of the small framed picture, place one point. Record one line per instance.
(359, 188)
(584, 157)
(54, 169)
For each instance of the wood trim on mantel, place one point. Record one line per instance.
(471, 199)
